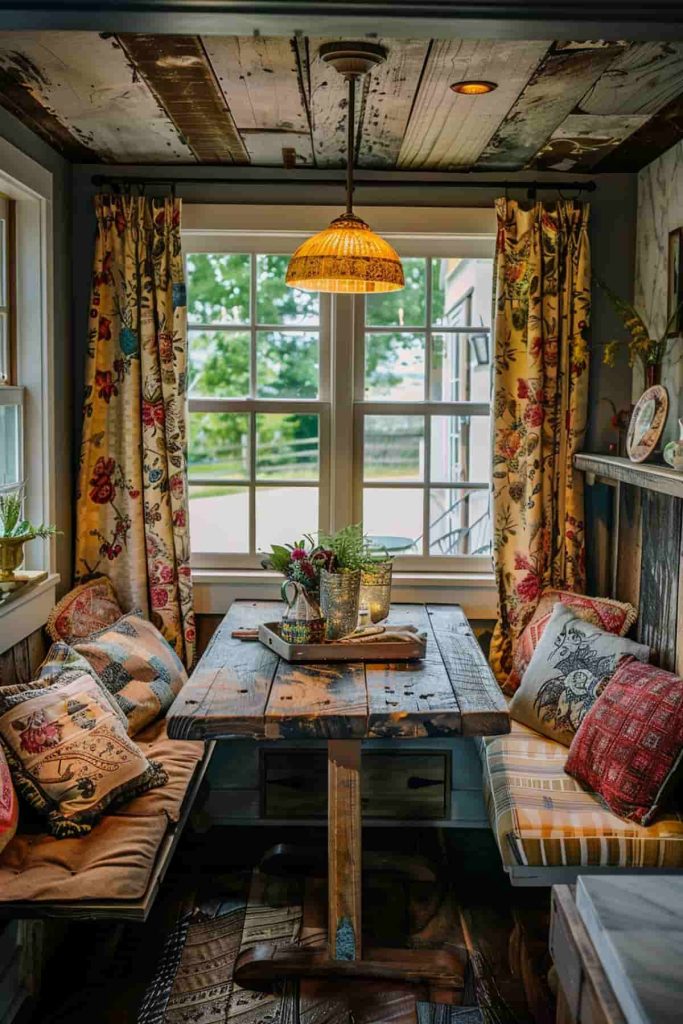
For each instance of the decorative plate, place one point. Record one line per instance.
(647, 423)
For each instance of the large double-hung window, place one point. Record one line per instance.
(309, 411)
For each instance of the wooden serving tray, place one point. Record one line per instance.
(269, 635)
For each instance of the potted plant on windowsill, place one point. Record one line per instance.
(15, 532)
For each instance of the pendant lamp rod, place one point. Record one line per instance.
(350, 143)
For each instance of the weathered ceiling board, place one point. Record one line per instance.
(582, 140)
(642, 80)
(553, 90)
(86, 82)
(388, 101)
(178, 72)
(447, 130)
(661, 132)
(327, 96)
(259, 79)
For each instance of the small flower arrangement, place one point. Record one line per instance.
(641, 346)
(301, 561)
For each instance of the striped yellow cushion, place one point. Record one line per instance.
(542, 817)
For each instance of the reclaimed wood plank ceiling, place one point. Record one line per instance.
(270, 102)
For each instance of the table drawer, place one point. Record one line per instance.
(413, 785)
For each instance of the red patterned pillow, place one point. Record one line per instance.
(630, 743)
(84, 610)
(9, 805)
(613, 616)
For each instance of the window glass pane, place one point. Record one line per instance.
(219, 446)
(462, 291)
(461, 367)
(287, 364)
(404, 308)
(392, 518)
(218, 286)
(394, 448)
(287, 447)
(460, 449)
(278, 304)
(219, 519)
(219, 363)
(395, 367)
(285, 513)
(10, 420)
(459, 522)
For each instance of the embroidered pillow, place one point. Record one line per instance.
(70, 754)
(613, 616)
(9, 805)
(630, 744)
(569, 669)
(137, 666)
(84, 610)
(60, 658)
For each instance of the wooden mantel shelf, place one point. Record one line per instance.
(651, 476)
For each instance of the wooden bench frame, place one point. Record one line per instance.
(119, 910)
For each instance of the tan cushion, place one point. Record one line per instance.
(179, 759)
(114, 862)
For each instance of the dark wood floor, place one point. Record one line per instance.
(100, 972)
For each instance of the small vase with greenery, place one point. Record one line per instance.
(340, 579)
(14, 532)
(642, 348)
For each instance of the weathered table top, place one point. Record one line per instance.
(244, 689)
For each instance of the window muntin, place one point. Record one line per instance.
(421, 409)
(258, 406)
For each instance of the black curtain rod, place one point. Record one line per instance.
(532, 186)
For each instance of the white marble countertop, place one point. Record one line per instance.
(636, 926)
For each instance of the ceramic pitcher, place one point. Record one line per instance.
(673, 451)
(302, 622)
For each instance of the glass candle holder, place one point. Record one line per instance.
(339, 594)
(375, 590)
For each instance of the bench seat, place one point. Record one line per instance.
(114, 871)
(543, 819)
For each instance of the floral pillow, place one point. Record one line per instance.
(84, 610)
(137, 666)
(630, 744)
(570, 668)
(613, 616)
(70, 753)
(9, 805)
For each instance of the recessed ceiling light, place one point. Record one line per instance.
(474, 87)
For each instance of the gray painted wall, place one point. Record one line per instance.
(29, 143)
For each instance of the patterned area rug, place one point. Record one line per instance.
(193, 983)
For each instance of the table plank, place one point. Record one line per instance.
(310, 701)
(228, 691)
(482, 705)
(414, 698)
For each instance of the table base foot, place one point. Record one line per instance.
(262, 965)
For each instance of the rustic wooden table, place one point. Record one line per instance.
(244, 689)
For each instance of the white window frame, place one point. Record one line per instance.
(30, 186)
(414, 232)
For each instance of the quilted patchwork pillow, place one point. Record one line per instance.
(70, 753)
(630, 744)
(9, 805)
(613, 616)
(569, 669)
(84, 610)
(137, 666)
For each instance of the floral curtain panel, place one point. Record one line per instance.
(132, 515)
(540, 400)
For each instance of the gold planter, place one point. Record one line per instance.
(339, 593)
(11, 557)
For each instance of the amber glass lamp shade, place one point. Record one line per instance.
(346, 257)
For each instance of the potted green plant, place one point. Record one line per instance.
(340, 579)
(15, 532)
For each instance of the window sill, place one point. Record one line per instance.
(27, 612)
(216, 589)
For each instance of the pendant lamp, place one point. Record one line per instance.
(347, 256)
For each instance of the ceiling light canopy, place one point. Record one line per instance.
(474, 87)
(347, 256)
